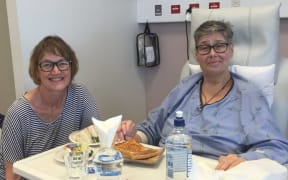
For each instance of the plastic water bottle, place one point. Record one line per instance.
(178, 151)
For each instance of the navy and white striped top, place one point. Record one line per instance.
(25, 134)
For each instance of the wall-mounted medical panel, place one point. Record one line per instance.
(155, 11)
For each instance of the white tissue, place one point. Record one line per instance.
(107, 129)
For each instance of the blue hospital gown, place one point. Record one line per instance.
(241, 123)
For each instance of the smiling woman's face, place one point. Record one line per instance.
(214, 63)
(55, 80)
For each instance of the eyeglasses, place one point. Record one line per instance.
(218, 48)
(62, 65)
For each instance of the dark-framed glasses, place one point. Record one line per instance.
(218, 48)
(62, 65)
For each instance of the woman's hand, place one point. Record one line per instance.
(229, 161)
(125, 131)
(9, 172)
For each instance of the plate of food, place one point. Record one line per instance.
(133, 151)
(59, 155)
(87, 135)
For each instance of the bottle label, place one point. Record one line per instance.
(178, 161)
(189, 164)
(169, 165)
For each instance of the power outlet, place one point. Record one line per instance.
(158, 10)
(235, 3)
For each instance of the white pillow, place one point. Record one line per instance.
(261, 76)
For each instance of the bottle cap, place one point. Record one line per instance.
(179, 114)
(179, 121)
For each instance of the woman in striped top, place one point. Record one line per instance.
(44, 117)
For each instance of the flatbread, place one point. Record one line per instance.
(133, 150)
(86, 135)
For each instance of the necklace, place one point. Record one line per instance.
(211, 98)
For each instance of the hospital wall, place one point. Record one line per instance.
(102, 33)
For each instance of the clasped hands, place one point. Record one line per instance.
(127, 131)
(229, 161)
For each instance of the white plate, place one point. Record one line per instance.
(73, 139)
(59, 155)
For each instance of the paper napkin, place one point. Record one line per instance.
(107, 129)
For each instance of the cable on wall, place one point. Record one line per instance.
(187, 18)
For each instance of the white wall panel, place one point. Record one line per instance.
(146, 8)
(101, 32)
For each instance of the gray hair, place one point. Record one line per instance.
(212, 26)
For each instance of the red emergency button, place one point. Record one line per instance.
(175, 9)
(214, 5)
